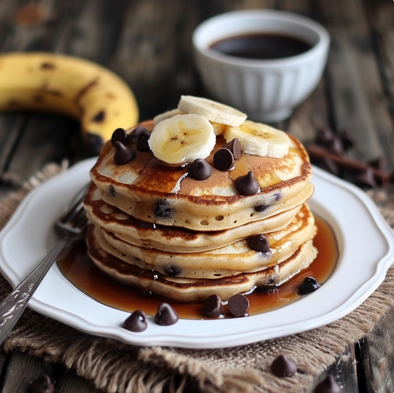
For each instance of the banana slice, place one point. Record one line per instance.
(182, 138)
(259, 139)
(212, 110)
(166, 115)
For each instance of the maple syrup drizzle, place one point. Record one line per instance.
(77, 267)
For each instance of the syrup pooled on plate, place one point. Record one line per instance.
(77, 267)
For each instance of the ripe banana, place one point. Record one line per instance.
(259, 139)
(166, 115)
(67, 85)
(213, 111)
(182, 138)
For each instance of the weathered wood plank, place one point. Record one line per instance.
(377, 357)
(381, 19)
(70, 382)
(16, 381)
(355, 83)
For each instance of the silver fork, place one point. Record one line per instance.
(72, 225)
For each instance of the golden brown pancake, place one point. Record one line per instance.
(162, 194)
(191, 290)
(229, 260)
(174, 239)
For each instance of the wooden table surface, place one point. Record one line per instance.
(148, 43)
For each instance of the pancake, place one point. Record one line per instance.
(229, 260)
(191, 290)
(173, 239)
(187, 206)
(163, 194)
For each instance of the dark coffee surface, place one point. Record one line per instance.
(264, 46)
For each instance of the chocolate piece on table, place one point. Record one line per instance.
(259, 243)
(238, 305)
(324, 136)
(335, 146)
(119, 135)
(235, 147)
(316, 152)
(328, 385)
(379, 163)
(166, 315)
(247, 184)
(282, 366)
(347, 138)
(223, 159)
(308, 285)
(365, 180)
(200, 169)
(123, 154)
(328, 165)
(212, 306)
(42, 384)
(136, 322)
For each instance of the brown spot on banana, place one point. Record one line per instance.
(99, 117)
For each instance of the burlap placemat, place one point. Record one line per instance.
(117, 367)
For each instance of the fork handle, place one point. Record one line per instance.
(12, 307)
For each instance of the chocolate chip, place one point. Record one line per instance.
(261, 208)
(324, 136)
(136, 322)
(379, 163)
(94, 143)
(238, 305)
(365, 180)
(328, 385)
(223, 159)
(172, 270)
(112, 191)
(166, 315)
(119, 135)
(247, 184)
(212, 306)
(235, 147)
(258, 243)
(308, 285)
(200, 169)
(347, 138)
(42, 384)
(282, 366)
(123, 154)
(142, 142)
(328, 165)
(163, 209)
(137, 132)
(335, 146)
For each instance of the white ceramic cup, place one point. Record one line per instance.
(266, 90)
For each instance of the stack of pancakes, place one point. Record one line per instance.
(157, 228)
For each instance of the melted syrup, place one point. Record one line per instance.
(76, 266)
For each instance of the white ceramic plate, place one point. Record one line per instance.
(366, 245)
